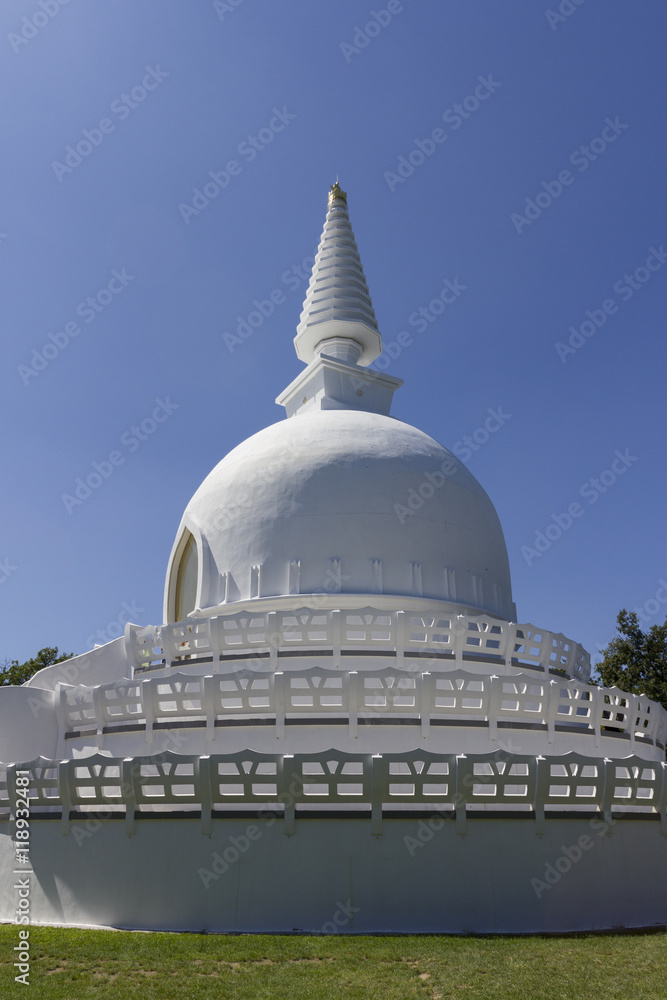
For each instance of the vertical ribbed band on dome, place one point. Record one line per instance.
(337, 293)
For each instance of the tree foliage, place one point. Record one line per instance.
(14, 672)
(636, 661)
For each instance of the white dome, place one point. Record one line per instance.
(346, 501)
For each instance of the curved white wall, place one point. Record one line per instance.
(418, 877)
(353, 502)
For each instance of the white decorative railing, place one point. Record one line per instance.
(334, 781)
(359, 697)
(275, 634)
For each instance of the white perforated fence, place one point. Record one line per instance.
(338, 784)
(358, 698)
(337, 634)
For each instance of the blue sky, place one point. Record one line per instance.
(541, 197)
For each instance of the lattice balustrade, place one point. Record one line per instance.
(644, 719)
(240, 695)
(633, 784)
(178, 697)
(562, 652)
(143, 647)
(384, 692)
(189, 641)
(573, 704)
(456, 695)
(413, 778)
(165, 782)
(247, 777)
(615, 710)
(305, 628)
(121, 701)
(245, 631)
(331, 777)
(497, 779)
(171, 783)
(660, 723)
(44, 785)
(571, 782)
(518, 698)
(92, 784)
(313, 692)
(420, 633)
(368, 628)
(581, 665)
(426, 697)
(268, 633)
(76, 708)
(483, 638)
(4, 793)
(531, 647)
(380, 694)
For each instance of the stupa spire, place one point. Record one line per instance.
(338, 318)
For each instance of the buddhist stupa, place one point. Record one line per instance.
(340, 725)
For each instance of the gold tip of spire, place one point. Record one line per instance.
(336, 194)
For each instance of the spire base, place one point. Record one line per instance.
(313, 340)
(329, 383)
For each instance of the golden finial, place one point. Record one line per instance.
(336, 193)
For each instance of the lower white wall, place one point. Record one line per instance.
(333, 874)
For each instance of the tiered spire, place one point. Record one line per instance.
(338, 308)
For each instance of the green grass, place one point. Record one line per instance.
(87, 964)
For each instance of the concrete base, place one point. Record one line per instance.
(333, 876)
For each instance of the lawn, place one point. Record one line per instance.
(86, 964)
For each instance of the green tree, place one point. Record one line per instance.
(14, 672)
(636, 661)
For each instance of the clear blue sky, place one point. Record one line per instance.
(170, 91)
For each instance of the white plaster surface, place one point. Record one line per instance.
(324, 486)
(478, 883)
